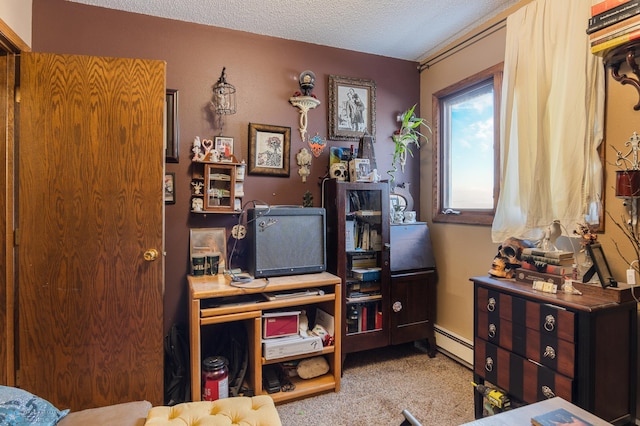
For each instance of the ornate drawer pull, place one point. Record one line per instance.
(549, 323)
(492, 330)
(491, 306)
(488, 365)
(397, 306)
(546, 391)
(549, 352)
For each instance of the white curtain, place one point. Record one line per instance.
(552, 114)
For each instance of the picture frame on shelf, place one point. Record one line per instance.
(269, 150)
(600, 266)
(224, 146)
(171, 108)
(352, 108)
(169, 188)
(209, 241)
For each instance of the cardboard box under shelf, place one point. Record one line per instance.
(619, 294)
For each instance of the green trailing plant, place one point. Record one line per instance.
(403, 138)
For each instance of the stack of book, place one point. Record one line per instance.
(613, 23)
(540, 265)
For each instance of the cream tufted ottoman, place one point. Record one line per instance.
(242, 410)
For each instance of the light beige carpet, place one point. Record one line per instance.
(377, 385)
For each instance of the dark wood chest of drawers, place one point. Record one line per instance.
(537, 345)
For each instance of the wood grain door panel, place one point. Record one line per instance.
(90, 204)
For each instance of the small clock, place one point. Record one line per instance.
(238, 232)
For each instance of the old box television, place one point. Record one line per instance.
(286, 240)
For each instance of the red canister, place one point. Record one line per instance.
(215, 378)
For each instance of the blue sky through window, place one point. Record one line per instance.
(471, 155)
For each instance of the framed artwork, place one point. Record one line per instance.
(170, 188)
(224, 145)
(600, 265)
(171, 107)
(209, 241)
(269, 150)
(352, 108)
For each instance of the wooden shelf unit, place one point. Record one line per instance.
(205, 289)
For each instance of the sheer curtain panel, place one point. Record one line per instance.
(551, 121)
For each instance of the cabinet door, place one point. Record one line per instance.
(411, 306)
(358, 236)
(90, 188)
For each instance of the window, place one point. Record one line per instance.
(466, 156)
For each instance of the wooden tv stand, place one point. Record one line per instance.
(214, 290)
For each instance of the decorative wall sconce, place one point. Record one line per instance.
(224, 98)
(628, 178)
(305, 100)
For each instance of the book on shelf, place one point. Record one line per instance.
(349, 234)
(557, 418)
(602, 48)
(547, 268)
(366, 274)
(535, 259)
(604, 5)
(612, 16)
(528, 277)
(361, 260)
(615, 30)
(553, 254)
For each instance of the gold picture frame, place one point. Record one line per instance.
(269, 150)
(352, 108)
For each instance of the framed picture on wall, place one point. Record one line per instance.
(171, 151)
(169, 188)
(269, 150)
(208, 241)
(352, 108)
(224, 145)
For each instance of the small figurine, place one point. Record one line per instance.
(198, 155)
(197, 187)
(197, 204)
(307, 80)
(304, 161)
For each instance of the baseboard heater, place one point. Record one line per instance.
(454, 346)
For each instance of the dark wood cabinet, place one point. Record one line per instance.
(413, 285)
(536, 345)
(413, 307)
(394, 306)
(358, 239)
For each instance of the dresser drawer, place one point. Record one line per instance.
(551, 320)
(501, 332)
(524, 379)
(554, 353)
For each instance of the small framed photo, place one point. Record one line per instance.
(171, 101)
(208, 242)
(224, 146)
(170, 188)
(352, 108)
(601, 266)
(269, 150)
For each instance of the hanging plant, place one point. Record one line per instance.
(408, 134)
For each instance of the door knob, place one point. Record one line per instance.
(151, 255)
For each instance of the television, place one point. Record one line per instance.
(286, 240)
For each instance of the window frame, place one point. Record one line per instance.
(466, 216)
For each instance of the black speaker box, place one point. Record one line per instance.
(286, 240)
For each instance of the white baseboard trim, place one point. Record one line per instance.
(454, 345)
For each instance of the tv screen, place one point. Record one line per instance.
(286, 240)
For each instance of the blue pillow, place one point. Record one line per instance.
(19, 407)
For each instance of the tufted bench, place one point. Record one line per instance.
(242, 410)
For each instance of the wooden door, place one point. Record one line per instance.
(90, 204)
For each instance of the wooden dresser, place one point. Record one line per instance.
(536, 345)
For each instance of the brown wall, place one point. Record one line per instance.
(264, 71)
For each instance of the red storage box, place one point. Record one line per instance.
(279, 324)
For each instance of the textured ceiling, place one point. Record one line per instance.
(403, 29)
